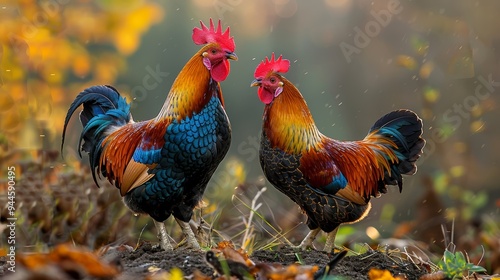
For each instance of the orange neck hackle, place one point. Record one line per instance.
(188, 93)
(288, 123)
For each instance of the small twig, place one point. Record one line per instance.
(482, 255)
(452, 231)
(253, 208)
(368, 256)
(420, 259)
(445, 235)
(277, 235)
(140, 235)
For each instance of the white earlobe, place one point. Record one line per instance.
(278, 91)
(207, 63)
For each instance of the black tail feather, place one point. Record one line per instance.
(103, 108)
(409, 141)
(404, 128)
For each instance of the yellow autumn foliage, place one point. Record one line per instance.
(50, 50)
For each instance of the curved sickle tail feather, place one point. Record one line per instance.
(404, 129)
(103, 110)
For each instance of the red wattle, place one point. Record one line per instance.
(220, 71)
(265, 96)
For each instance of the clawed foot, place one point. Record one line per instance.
(303, 247)
(163, 236)
(330, 241)
(191, 241)
(202, 232)
(306, 244)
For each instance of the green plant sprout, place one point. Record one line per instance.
(455, 265)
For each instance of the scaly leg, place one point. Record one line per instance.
(330, 240)
(200, 233)
(308, 240)
(163, 236)
(190, 238)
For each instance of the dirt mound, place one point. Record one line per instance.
(148, 259)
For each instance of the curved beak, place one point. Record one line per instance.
(256, 83)
(231, 55)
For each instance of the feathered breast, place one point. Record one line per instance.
(288, 123)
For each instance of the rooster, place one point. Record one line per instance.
(332, 181)
(162, 166)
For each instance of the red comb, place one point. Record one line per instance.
(205, 35)
(278, 66)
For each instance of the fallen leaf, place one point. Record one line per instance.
(379, 274)
(70, 258)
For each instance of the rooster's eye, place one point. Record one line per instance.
(214, 51)
(272, 80)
